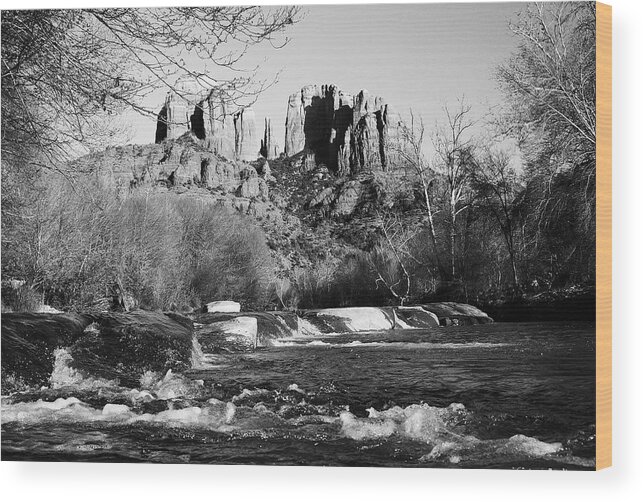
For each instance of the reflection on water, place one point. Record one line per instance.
(500, 395)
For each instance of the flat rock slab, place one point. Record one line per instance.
(351, 319)
(222, 306)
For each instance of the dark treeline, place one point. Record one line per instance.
(476, 221)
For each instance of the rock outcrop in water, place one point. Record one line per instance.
(270, 326)
(356, 319)
(112, 346)
(122, 346)
(209, 116)
(216, 329)
(349, 134)
(452, 313)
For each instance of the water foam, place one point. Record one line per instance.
(301, 342)
(306, 328)
(441, 429)
(281, 413)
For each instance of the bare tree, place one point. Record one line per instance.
(550, 82)
(389, 260)
(552, 77)
(498, 186)
(454, 150)
(410, 150)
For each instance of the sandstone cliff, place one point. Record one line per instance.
(181, 164)
(228, 132)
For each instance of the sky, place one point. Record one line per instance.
(415, 56)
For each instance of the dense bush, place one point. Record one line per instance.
(157, 250)
(20, 299)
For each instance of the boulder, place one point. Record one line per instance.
(222, 306)
(253, 188)
(348, 198)
(355, 319)
(323, 198)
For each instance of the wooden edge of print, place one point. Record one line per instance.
(603, 236)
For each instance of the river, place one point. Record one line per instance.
(503, 395)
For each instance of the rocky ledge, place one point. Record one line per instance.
(234, 331)
(123, 347)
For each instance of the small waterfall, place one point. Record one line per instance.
(197, 358)
(286, 330)
(306, 328)
(398, 323)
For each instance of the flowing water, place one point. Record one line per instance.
(504, 395)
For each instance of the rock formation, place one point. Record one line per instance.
(246, 144)
(186, 166)
(219, 132)
(365, 154)
(208, 115)
(390, 136)
(349, 134)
